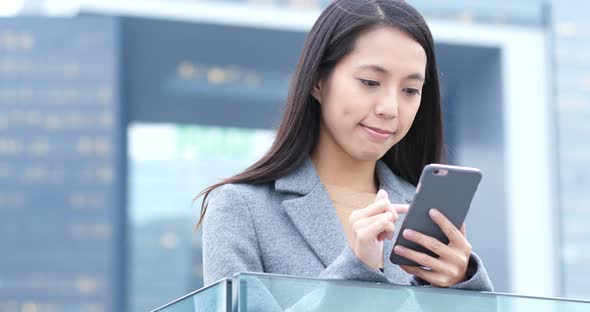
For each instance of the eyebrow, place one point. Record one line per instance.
(380, 69)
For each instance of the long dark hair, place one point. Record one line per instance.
(331, 38)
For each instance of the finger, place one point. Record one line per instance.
(420, 258)
(373, 230)
(401, 209)
(429, 243)
(447, 227)
(383, 235)
(422, 273)
(380, 206)
(381, 194)
(464, 230)
(364, 223)
(431, 277)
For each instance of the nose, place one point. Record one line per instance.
(387, 107)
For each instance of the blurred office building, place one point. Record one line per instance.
(115, 114)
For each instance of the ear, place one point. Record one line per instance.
(316, 91)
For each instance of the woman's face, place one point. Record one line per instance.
(369, 101)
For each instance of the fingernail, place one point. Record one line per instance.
(408, 233)
(399, 249)
(434, 213)
(381, 195)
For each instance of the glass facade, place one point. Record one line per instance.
(571, 32)
(61, 203)
(168, 165)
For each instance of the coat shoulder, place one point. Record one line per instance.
(243, 194)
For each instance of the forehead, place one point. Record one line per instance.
(390, 48)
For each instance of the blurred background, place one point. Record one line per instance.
(115, 114)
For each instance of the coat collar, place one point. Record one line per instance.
(314, 215)
(305, 178)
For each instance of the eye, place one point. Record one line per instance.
(370, 83)
(412, 91)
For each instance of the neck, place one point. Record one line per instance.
(336, 167)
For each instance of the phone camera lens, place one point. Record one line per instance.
(435, 171)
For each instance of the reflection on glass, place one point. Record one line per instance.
(263, 292)
(213, 298)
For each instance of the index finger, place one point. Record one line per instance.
(375, 208)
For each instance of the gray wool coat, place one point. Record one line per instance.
(290, 227)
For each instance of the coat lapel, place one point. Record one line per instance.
(314, 216)
(312, 212)
(399, 190)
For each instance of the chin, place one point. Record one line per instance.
(368, 155)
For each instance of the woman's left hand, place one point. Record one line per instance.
(451, 266)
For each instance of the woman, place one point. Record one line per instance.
(362, 119)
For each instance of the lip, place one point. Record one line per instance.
(377, 133)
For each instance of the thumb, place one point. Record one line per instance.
(382, 194)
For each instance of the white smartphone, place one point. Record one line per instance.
(450, 190)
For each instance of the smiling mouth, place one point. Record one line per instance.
(378, 130)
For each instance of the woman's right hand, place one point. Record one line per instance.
(370, 226)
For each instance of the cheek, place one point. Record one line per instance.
(414, 111)
(345, 112)
(410, 115)
(340, 111)
(341, 106)
(337, 119)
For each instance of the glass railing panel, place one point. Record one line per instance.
(264, 292)
(213, 298)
